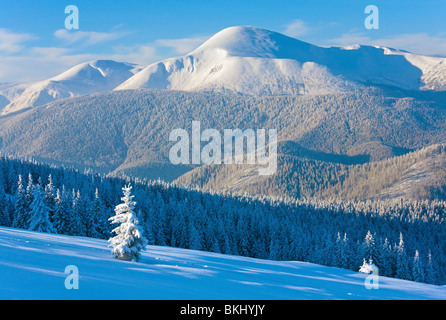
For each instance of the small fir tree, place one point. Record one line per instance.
(129, 240)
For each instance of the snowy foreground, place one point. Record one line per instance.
(32, 266)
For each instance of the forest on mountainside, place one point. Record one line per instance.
(418, 175)
(127, 132)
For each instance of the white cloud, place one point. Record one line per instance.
(20, 62)
(87, 37)
(38, 63)
(296, 28)
(13, 42)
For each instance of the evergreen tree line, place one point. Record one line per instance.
(404, 239)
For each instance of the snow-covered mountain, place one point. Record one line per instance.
(243, 60)
(85, 78)
(255, 61)
(32, 266)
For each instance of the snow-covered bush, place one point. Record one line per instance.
(368, 267)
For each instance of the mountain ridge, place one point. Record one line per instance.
(256, 61)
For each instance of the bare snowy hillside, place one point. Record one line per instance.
(32, 266)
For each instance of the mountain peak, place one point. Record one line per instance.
(248, 41)
(97, 68)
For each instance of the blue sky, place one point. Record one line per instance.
(35, 45)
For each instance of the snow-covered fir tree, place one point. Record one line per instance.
(97, 217)
(341, 251)
(40, 220)
(194, 238)
(129, 240)
(371, 250)
(21, 212)
(77, 226)
(29, 190)
(431, 274)
(62, 213)
(402, 266)
(5, 218)
(418, 268)
(50, 196)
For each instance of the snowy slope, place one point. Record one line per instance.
(255, 61)
(32, 266)
(85, 78)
